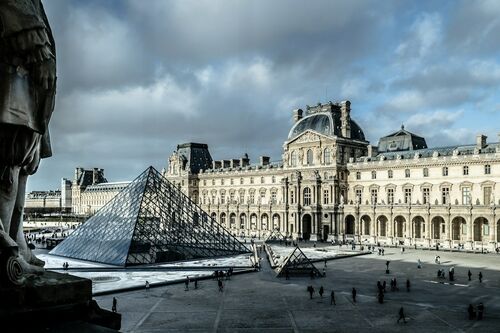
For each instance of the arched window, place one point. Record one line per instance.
(307, 196)
(326, 154)
(309, 157)
(293, 158)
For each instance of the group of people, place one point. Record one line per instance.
(65, 265)
(476, 312)
(311, 291)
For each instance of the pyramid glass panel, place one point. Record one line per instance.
(150, 221)
(297, 263)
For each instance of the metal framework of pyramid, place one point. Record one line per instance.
(297, 263)
(149, 221)
(275, 236)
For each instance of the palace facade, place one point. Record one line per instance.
(333, 185)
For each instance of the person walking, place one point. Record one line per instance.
(384, 285)
(221, 286)
(469, 274)
(195, 283)
(408, 285)
(321, 291)
(354, 292)
(480, 310)
(419, 263)
(113, 307)
(471, 312)
(332, 298)
(147, 285)
(310, 289)
(480, 277)
(401, 315)
(186, 283)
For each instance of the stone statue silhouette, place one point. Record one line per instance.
(27, 95)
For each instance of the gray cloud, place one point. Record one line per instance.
(136, 78)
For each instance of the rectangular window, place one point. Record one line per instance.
(486, 230)
(426, 172)
(445, 171)
(390, 174)
(358, 195)
(231, 197)
(426, 195)
(273, 197)
(445, 195)
(407, 173)
(466, 170)
(326, 197)
(486, 195)
(262, 197)
(487, 169)
(292, 197)
(358, 175)
(223, 199)
(390, 195)
(252, 198)
(466, 196)
(407, 195)
(374, 195)
(374, 174)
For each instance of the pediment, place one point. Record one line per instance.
(309, 136)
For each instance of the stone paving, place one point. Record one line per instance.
(259, 302)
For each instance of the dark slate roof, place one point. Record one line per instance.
(86, 178)
(441, 151)
(401, 140)
(327, 123)
(195, 155)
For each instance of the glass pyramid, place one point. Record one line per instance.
(149, 221)
(275, 236)
(297, 264)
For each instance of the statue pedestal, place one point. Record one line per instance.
(51, 299)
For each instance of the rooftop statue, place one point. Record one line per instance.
(27, 95)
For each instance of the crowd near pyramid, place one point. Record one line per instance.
(150, 221)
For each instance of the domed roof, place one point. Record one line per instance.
(327, 123)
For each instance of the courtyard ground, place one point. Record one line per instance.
(259, 302)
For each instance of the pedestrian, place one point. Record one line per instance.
(384, 284)
(354, 294)
(471, 312)
(221, 286)
(408, 285)
(195, 283)
(113, 307)
(332, 298)
(321, 291)
(401, 315)
(186, 283)
(480, 277)
(419, 263)
(147, 285)
(469, 274)
(383, 252)
(325, 263)
(324, 272)
(381, 297)
(480, 310)
(310, 289)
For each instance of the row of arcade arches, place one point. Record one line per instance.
(253, 222)
(481, 227)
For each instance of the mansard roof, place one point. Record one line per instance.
(401, 140)
(195, 155)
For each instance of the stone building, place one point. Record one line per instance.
(90, 191)
(332, 184)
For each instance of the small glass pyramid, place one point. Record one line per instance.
(150, 221)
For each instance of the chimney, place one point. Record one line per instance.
(345, 118)
(244, 161)
(372, 151)
(297, 115)
(225, 163)
(78, 173)
(481, 141)
(235, 163)
(216, 165)
(264, 160)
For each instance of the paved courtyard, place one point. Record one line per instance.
(259, 302)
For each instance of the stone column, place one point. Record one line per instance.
(470, 232)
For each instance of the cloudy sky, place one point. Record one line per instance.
(135, 77)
